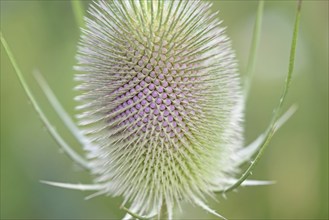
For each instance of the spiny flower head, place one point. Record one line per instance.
(161, 101)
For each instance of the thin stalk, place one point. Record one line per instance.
(254, 47)
(52, 130)
(78, 11)
(278, 110)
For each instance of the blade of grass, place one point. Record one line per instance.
(254, 47)
(78, 11)
(67, 149)
(274, 123)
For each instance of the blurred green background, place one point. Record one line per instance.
(44, 35)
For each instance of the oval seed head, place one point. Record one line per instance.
(161, 103)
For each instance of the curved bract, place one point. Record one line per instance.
(161, 101)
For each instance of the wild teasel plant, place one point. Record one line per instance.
(161, 106)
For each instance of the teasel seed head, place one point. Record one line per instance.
(161, 102)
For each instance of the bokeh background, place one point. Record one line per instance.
(43, 35)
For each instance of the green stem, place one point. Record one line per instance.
(78, 11)
(254, 47)
(67, 149)
(278, 110)
(163, 212)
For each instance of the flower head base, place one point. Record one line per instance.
(162, 100)
(161, 103)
